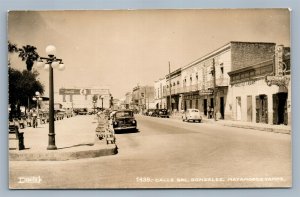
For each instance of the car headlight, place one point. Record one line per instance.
(115, 123)
(133, 122)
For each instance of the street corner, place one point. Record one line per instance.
(64, 154)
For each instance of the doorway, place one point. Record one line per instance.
(222, 107)
(205, 106)
(280, 115)
(262, 109)
(249, 108)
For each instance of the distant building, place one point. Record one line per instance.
(173, 84)
(143, 97)
(128, 101)
(160, 99)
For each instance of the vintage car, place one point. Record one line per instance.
(163, 113)
(123, 120)
(191, 114)
(82, 111)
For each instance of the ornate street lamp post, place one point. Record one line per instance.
(37, 98)
(102, 97)
(94, 103)
(51, 62)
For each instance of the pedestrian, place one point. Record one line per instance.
(208, 112)
(34, 118)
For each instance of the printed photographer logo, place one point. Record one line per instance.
(29, 179)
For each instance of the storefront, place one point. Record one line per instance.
(262, 93)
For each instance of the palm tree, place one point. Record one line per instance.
(29, 55)
(12, 47)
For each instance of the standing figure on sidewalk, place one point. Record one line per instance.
(212, 115)
(208, 112)
(34, 118)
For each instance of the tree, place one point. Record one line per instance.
(12, 47)
(22, 85)
(29, 55)
(95, 98)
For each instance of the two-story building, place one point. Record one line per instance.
(143, 97)
(205, 83)
(173, 90)
(159, 91)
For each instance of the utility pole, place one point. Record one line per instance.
(170, 107)
(161, 95)
(145, 96)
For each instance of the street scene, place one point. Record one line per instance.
(149, 99)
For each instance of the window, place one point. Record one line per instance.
(174, 84)
(177, 82)
(222, 68)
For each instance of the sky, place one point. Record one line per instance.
(122, 48)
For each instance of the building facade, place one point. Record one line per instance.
(159, 91)
(143, 98)
(261, 93)
(238, 81)
(128, 101)
(172, 87)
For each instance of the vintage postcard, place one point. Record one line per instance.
(196, 98)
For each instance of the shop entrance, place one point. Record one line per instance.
(222, 107)
(280, 115)
(262, 108)
(249, 108)
(205, 106)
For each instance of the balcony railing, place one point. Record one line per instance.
(219, 82)
(196, 87)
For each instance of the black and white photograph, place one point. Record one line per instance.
(165, 98)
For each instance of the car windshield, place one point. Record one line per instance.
(195, 110)
(124, 114)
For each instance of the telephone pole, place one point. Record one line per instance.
(170, 106)
(215, 89)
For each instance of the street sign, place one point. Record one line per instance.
(64, 91)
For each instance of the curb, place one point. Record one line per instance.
(267, 129)
(60, 155)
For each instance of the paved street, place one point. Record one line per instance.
(169, 153)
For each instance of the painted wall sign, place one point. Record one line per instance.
(246, 83)
(206, 92)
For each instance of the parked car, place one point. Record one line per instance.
(82, 111)
(191, 114)
(149, 112)
(124, 120)
(163, 113)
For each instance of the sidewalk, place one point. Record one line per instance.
(246, 125)
(75, 139)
